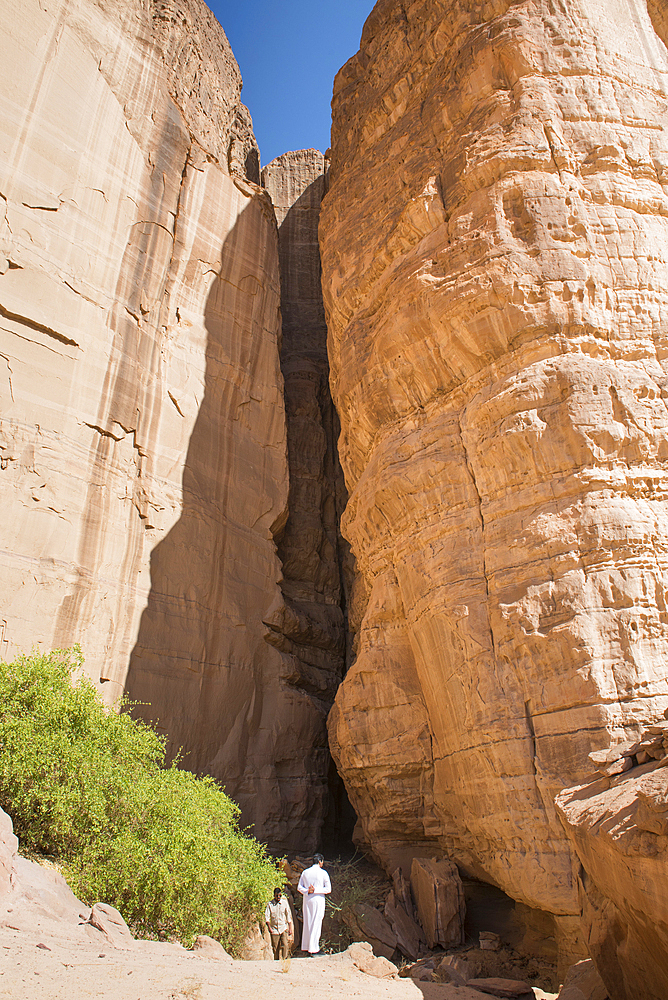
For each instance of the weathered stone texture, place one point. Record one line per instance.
(494, 259)
(619, 829)
(142, 434)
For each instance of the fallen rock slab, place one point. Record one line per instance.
(508, 989)
(439, 898)
(255, 948)
(583, 982)
(408, 933)
(366, 923)
(618, 831)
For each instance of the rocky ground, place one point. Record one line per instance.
(166, 972)
(52, 945)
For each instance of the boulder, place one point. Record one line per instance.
(41, 895)
(458, 963)
(421, 970)
(255, 947)
(208, 947)
(583, 982)
(107, 919)
(446, 973)
(409, 934)
(489, 941)
(363, 957)
(366, 923)
(618, 830)
(439, 899)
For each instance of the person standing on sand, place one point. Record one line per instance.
(314, 885)
(278, 918)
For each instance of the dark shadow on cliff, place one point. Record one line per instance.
(316, 560)
(201, 669)
(191, 665)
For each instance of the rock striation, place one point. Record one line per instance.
(143, 447)
(495, 279)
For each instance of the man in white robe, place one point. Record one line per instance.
(314, 885)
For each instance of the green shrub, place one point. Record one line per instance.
(90, 787)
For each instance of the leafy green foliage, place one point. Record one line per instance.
(90, 786)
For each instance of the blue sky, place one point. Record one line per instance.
(289, 53)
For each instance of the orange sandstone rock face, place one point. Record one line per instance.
(494, 260)
(142, 436)
(619, 830)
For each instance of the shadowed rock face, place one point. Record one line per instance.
(494, 260)
(310, 627)
(143, 440)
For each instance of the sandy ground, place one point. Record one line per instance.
(158, 972)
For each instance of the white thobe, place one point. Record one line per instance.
(314, 905)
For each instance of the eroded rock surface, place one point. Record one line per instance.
(494, 260)
(619, 829)
(142, 437)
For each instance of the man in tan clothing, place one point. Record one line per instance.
(278, 918)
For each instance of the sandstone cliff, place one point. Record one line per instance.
(494, 260)
(142, 436)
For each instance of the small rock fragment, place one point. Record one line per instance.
(363, 957)
(489, 941)
(107, 919)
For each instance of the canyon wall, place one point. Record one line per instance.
(143, 441)
(310, 627)
(495, 277)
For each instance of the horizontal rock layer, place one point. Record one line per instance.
(494, 261)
